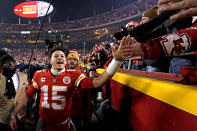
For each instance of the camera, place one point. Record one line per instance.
(49, 44)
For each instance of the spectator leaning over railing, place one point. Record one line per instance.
(153, 65)
(174, 44)
(188, 8)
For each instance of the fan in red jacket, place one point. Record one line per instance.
(180, 42)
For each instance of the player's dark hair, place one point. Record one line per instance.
(59, 48)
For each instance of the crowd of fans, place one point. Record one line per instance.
(101, 50)
(15, 33)
(107, 17)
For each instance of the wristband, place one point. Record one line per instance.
(113, 66)
(12, 116)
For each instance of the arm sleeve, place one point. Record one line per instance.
(33, 87)
(87, 82)
(84, 82)
(180, 42)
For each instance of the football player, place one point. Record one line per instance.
(56, 86)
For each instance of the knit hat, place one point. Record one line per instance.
(131, 23)
(73, 54)
(151, 13)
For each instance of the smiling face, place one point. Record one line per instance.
(72, 63)
(58, 60)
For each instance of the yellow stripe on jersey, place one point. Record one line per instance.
(181, 96)
(81, 77)
(35, 85)
(41, 70)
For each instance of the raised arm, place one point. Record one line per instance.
(123, 51)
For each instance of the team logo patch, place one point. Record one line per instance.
(176, 44)
(66, 80)
(43, 79)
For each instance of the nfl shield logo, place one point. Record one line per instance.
(53, 80)
(66, 80)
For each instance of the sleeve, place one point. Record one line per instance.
(87, 82)
(180, 42)
(84, 82)
(33, 88)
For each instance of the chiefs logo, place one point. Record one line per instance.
(66, 80)
(176, 44)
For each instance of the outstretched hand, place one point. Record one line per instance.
(189, 6)
(124, 50)
(136, 48)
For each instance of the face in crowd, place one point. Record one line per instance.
(131, 25)
(145, 19)
(7, 63)
(72, 59)
(72, 63)
(129, 28)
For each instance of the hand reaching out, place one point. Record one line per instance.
(136, 48)
(189, 6)
(124, 50)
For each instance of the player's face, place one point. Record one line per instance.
(72, 63)
(58, 60)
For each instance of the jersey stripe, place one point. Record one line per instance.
(81, 77)
(35, 85)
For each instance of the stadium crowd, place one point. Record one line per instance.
(107, 17)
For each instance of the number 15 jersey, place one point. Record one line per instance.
(56, 93)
